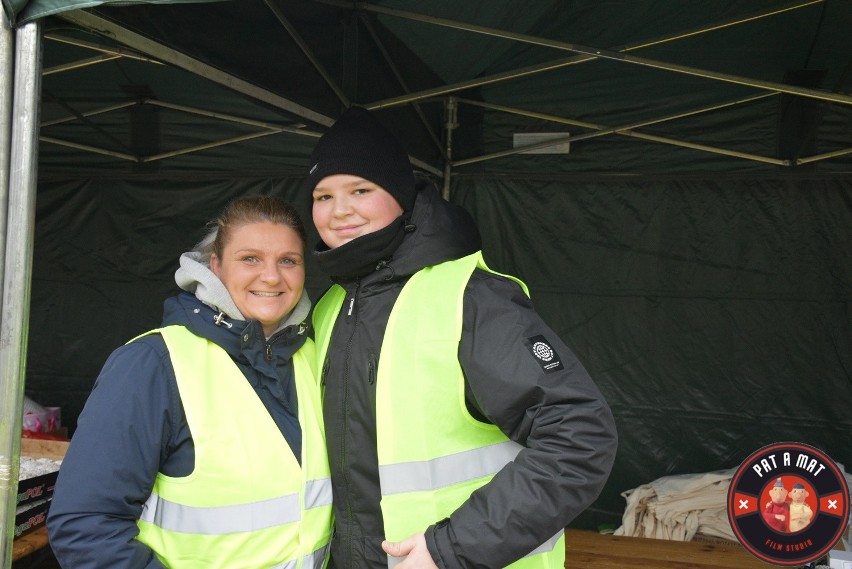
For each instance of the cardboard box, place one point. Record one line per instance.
(31, 516)
(34, 493)
(39, 487)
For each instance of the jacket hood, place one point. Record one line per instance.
(194, 276)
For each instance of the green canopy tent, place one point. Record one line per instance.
(673, 182)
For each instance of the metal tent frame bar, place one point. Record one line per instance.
(106, 54)
(267, 129)
(583, 54)
(565, 62)
(630, 130)
(624, 130)
(296, 37)
(173, 57)
(326, 76)
(621, 56)
(402, 83)
(591, 53)
(110, 54)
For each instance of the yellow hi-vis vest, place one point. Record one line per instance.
(248, 504)
(432, 453)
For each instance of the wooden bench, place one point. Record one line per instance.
(592, 550)
(29, 542)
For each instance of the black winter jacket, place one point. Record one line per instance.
(133, 426)
(559, 416)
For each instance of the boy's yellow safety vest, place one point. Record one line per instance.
(248, 503)
(432, 453)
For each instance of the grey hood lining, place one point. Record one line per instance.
(194, 276)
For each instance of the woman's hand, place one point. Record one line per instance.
(414, 550)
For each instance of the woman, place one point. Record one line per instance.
(201, 443)
(462, 432)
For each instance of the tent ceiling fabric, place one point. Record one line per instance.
(636, 86)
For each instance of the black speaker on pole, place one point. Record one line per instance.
(145, 139)
(799, 117)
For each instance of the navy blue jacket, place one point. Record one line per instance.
(133, 426)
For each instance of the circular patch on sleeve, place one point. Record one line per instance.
(544, 354)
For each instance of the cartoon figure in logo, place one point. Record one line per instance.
(800, 512)
(777, 509)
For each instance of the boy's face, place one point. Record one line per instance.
(346, 207)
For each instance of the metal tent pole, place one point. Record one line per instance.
(401, 81)
(17, 272)
(8, 391)
(7, 54)
(303, 46)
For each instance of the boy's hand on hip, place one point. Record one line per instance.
(414, 550)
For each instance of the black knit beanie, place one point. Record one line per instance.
(358, 144)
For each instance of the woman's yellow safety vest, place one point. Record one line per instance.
(248, 503)
(432, 453)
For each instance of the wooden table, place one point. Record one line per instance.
(28, 543)
(592, 550)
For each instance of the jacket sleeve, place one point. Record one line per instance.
(114, 456)
(525, 380)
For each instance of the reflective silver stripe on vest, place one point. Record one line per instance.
(446, 470)
(313, 560)
(317, 493)
(219, 520)
(547, 546)
(316, 560)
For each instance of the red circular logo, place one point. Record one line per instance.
(788, 503)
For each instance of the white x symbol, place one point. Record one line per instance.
(832, 504)
(744, 504)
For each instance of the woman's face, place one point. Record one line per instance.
(263, 268)
(346, 207)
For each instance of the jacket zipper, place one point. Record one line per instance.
(344, 421)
